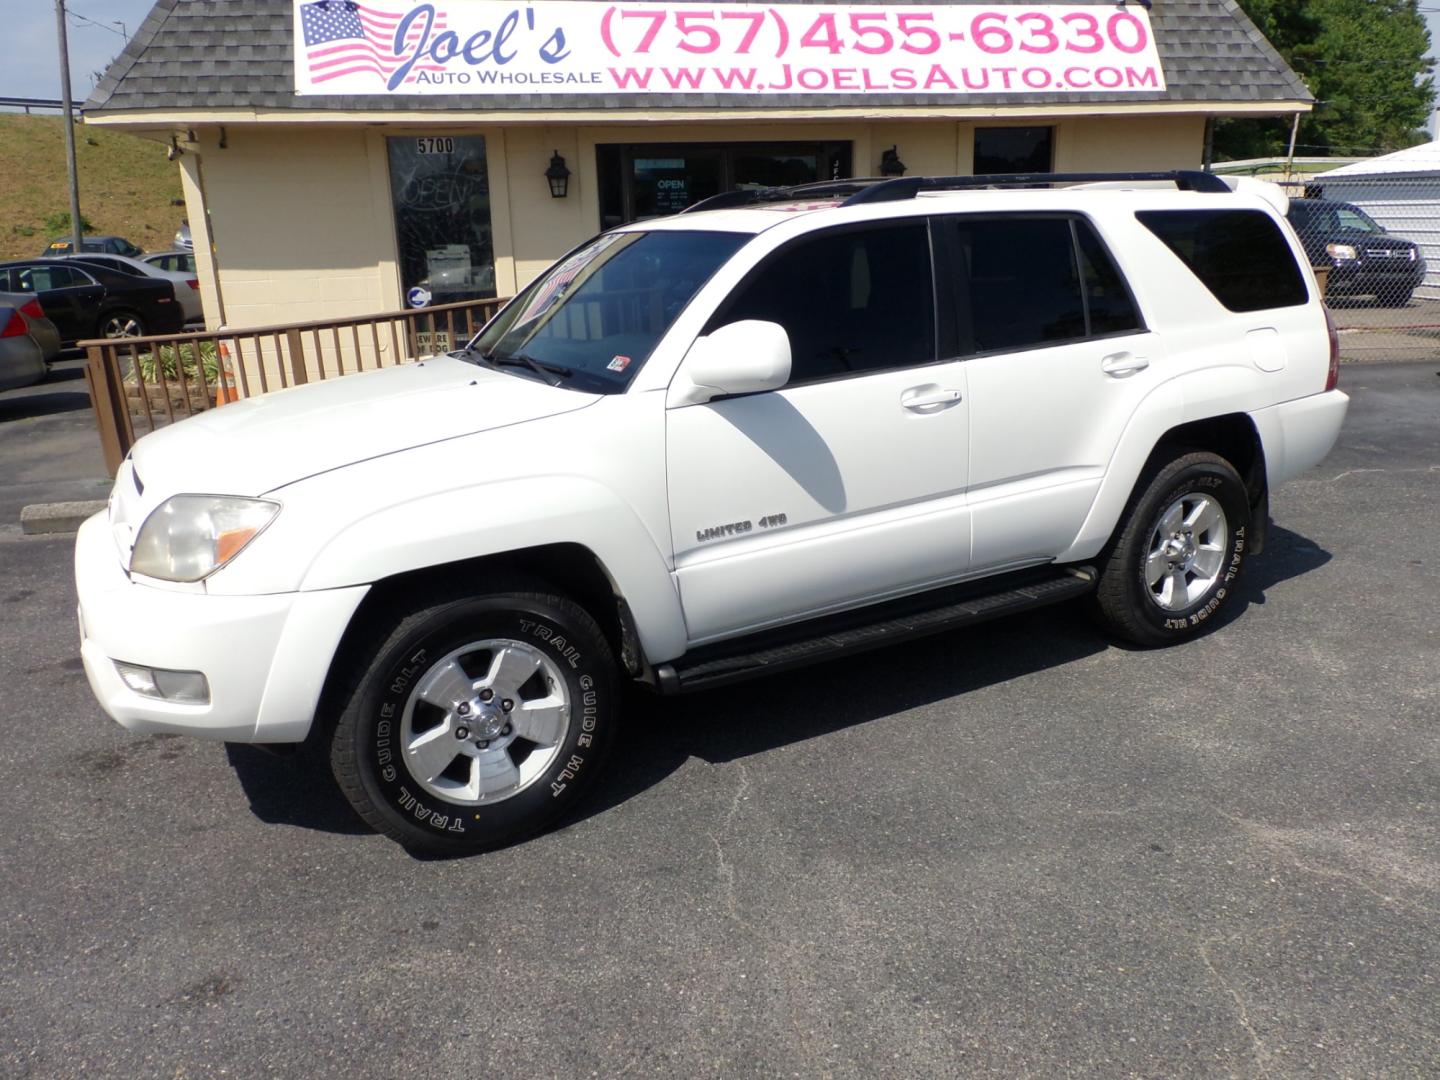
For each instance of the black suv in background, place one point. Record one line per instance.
(1363, 259)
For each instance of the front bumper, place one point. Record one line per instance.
(266, 657)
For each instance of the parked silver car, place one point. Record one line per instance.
(45, 332)
(182, 262)
(22, 361)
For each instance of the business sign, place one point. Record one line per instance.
(493, 47)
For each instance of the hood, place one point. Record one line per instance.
(262, 443)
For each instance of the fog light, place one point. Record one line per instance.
(184, 687)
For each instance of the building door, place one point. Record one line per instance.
(643, 181)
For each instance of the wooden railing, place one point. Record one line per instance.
(140, 384)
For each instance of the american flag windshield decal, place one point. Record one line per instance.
(343, 37)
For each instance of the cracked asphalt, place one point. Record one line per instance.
(1012, 851)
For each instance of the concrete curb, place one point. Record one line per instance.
(58, 517)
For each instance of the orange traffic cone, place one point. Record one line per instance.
(224, 392)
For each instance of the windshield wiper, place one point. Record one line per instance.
(539, 367)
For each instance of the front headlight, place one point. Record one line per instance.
(1341, 252)
(189, 537)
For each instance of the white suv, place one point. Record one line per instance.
(708, 447)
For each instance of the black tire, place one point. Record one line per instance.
(1125, 600)
(384, 676)
(111, 323)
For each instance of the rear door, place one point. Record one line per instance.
(1058, 361)
(71, 299)
(847, 484)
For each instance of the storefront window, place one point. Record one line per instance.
(647, 181)
(1005, 150)
(441, 195)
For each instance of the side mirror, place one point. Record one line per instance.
(746, 357)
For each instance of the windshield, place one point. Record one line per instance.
(594, 317)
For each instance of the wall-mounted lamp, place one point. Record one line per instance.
(558, 177)
(890, 163)
(224, 142)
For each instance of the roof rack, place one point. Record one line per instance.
(907, 187)
(749, 196)
(873, 189)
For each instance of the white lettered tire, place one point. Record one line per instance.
(1179, 552)
(468, 724)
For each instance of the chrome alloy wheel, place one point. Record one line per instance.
(1186, 551)
(485, 721)
(121, 326)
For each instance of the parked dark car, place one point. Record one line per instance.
(106, 245)
(41, 328)
(86, 301)
(21, 360)
(1363, 259)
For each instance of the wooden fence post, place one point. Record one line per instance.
(298, 376)
(107, 399)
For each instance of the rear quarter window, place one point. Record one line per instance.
(1239, 255)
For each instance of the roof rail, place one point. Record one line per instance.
(907, 187)
(749, 196)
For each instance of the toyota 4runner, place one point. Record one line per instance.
(781, 426)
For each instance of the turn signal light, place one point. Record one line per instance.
(16, 327)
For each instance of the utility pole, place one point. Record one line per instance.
(69, 128)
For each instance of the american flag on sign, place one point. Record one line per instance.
(343, 37)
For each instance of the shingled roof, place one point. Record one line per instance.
(239, 54)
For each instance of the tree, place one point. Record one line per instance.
(1365, 62)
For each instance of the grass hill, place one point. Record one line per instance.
(127, 187)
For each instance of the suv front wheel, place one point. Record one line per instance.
(1179, 553)
(472, 723)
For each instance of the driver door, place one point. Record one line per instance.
(848, 484)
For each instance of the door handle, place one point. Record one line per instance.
(1123, 364)
(929, 398)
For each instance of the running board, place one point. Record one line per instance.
(887, 624)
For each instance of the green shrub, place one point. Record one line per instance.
(166, 358)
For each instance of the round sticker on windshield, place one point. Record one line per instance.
(418, 296)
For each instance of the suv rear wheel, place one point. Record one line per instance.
(469, 724)
(1179, 553)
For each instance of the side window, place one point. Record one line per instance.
(1239, 255)
(1353, 219)
(1108, 304)
(51, 277)
(852, 300)
(1018, 283)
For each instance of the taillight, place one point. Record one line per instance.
(194, 283)
(1333, 378)
(16, 326)
(31, 309)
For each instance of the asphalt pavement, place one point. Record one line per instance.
(1017, 850)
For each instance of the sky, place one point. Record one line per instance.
(29, 56)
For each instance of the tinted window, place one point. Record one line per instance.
(1239, 255)
(39, 278)
(852, 300)
(602, 309)
(1018, 283)
(1013, 150)
(1108, 303)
